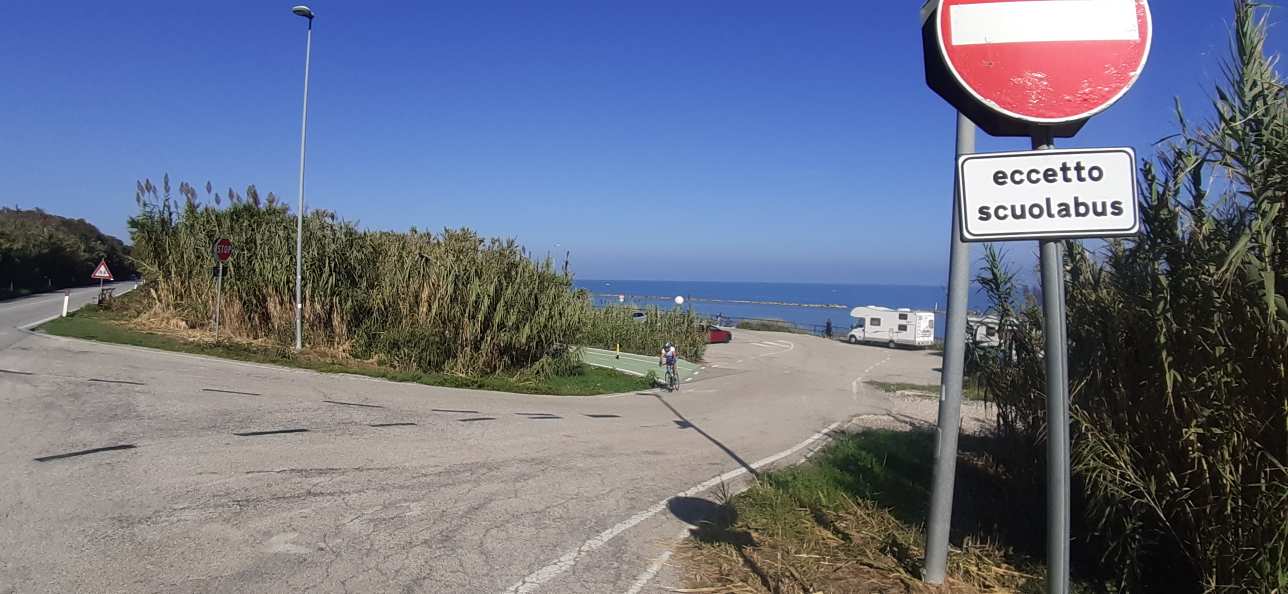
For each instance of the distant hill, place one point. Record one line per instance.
(41, 251)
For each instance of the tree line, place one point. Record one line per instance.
(40, 251)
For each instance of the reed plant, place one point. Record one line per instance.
(614, 326)
(1178, 354)
(452, 302)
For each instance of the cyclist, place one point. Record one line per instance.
(668, 358)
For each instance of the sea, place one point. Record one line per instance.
(807, 305)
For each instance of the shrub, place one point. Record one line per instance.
(1178, 354)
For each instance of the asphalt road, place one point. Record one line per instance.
(235, 477)
(26, 311)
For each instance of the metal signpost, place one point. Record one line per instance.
(1038, 69)
(223, 251)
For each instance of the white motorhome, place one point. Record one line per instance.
(982, 330)
(892, 327)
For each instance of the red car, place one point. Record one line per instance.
(718, 335)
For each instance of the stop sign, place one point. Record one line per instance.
(1036, 62)
(223, 249)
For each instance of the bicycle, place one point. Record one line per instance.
(671, 378)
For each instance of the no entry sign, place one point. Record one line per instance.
(223, 249)
(1013, 64)
(1048, 194)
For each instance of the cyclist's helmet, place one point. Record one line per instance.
(668, 344)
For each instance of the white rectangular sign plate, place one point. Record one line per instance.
(1044, 20)
(1056, 194)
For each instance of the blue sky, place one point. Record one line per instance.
(720, 140)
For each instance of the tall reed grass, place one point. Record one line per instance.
(452, 302)
(1178, 354)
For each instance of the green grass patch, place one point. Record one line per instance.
(770, 326)
(850, 520)
(969, 390)
(111, 325)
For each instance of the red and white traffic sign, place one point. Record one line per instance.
(1045, 62)
(101, 272)
(223, 249)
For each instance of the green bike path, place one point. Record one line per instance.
(636, 364)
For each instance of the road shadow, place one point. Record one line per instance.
(683, 422)
(711, 523)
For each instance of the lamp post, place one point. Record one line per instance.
(307, 13)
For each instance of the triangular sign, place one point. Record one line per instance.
(102, 273)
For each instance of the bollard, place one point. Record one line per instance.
(67, 295)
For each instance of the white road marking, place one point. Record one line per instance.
(1044, 21)
(790, 347)
(854, 385)
(533, 581)
(651, 571)
(763, 345)
(634, 373)
(30, 325)
(629, 356)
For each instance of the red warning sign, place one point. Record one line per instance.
(101, 272)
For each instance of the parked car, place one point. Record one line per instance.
(639, 316)
(716, 335)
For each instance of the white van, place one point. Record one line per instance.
(892, 327)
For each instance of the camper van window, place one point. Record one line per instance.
(875, 322)
(903, 327)
(858, 322)
(903, 317)
(991, 331)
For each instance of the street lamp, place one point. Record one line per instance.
(307, 13)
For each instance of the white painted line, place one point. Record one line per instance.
(533, 581)
(781, 343)
(634, 373)
(626, 355)
(30, 325)
(1044, 21)
(763, 345)
(651, 570)
(779, 352)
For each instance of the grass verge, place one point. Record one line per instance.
(112, 325)
(849, 520)
(969, 390)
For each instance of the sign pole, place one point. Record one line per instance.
(950, 396)
(1057, 388)
(219, 296)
